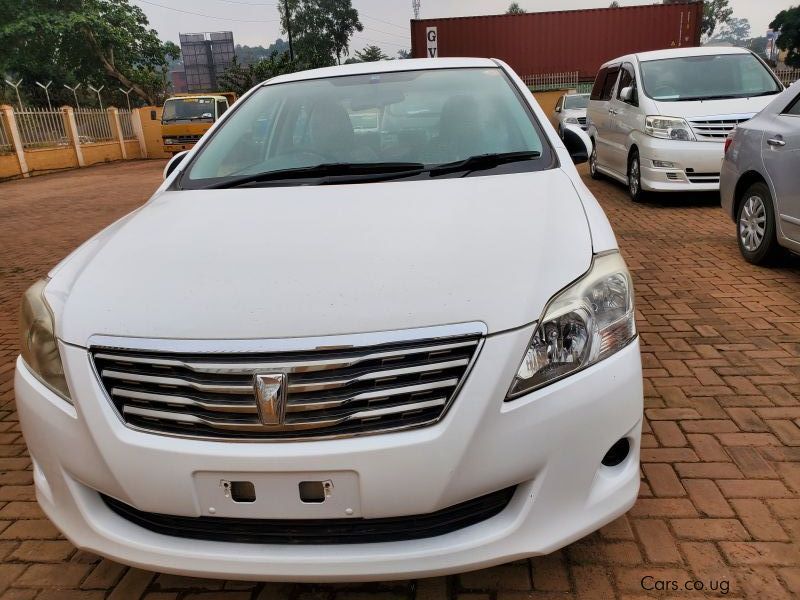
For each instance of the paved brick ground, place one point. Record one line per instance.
(720, 492)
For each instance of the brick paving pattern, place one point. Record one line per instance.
(720, 496)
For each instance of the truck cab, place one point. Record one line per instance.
(186, 117)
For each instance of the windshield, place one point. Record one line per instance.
(410, 118)
(707, 78)
(576, 101)
(178, 110)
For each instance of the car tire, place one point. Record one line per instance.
(635, 178)
(755, 225)
(593, 172)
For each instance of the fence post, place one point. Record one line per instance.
(72, 132)
(7, 114)
(116, 129)
(138, 130)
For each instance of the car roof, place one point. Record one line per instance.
(677, 52)
(698, 51)
(385, 66)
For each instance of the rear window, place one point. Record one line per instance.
(599, 82)
(604, 84)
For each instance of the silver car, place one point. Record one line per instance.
(760, 179)
(570, 110)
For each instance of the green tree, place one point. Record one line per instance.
(251, 54)
(614, 4)
(371, 54)
(103, 42)
(403, 54)
(788, 23)
(715, 12)
(321, 29)
(735, 31)
(240, 78)
(515, 9)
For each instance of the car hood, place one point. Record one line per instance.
(714, 108)
(325, 260)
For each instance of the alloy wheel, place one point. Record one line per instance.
(633, 176)
(752, 223)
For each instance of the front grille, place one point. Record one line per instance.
(716, 129)
(335, 389)
(702, 177)
(582, 120)
(183, 139)
(318, 531)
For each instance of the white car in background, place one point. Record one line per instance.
(658, 120)
(571, 110)
(319, 353)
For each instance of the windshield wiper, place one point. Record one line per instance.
(483, 161)
(353, 170)
(725, 96)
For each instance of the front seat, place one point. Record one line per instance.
(331, 134)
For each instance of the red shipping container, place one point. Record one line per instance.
(563, 41)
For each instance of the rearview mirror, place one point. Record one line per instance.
(626, 94)
(577, 143)
(174, 162)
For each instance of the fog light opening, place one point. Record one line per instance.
(617, 453)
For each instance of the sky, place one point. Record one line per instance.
(386, 22)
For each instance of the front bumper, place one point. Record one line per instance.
(696, 165)
(548, 443)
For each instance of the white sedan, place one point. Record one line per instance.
(571, 110)
(329, 352)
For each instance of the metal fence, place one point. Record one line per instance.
(126, 124)
(5, 139)
(551, 81)
(40, 128)
(93, 125)
(788, 76)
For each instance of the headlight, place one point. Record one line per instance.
(169, 141)
(583, 324)
(38, 344)
(668, 128)
(571, 120)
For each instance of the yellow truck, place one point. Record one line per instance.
(186, 117)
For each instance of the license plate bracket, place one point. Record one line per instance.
(278, 495)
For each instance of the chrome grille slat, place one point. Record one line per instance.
(332, 390)
(185, 401)
(255, 425)
(283, 366)
(716, 129)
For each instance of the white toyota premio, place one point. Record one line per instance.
(372, 326)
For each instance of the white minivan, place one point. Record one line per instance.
(658, 120)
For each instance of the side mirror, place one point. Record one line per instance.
(153, 115)
(626, 94)
(558, 109)
(577, 143)
(174, 162)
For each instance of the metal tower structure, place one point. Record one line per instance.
(415, 7)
